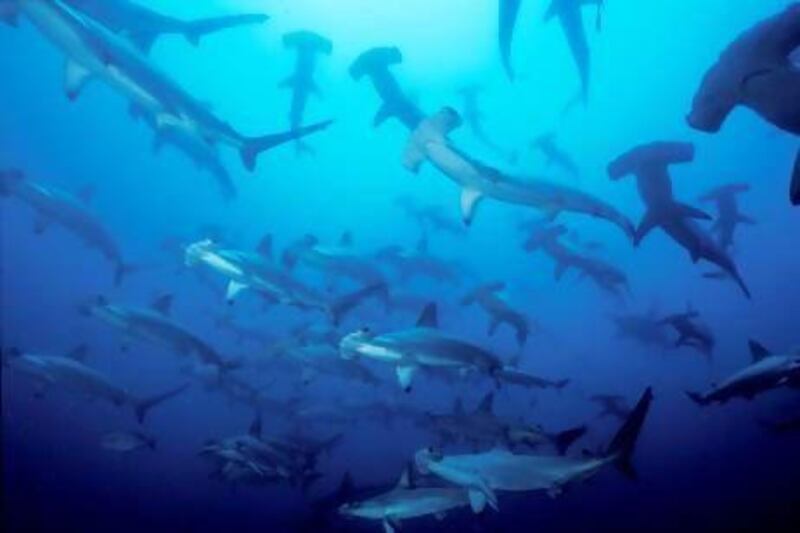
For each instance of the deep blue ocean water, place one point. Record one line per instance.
(713, 468)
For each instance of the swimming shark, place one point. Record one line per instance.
(728, 214)
(554, 154)
(612, 405)
(499, 310)
(127, 441)
(507, 20)
(324, 360)
(570, 15)
(422, 346)
(374, 64)
(644, 328)
(649, 164)
(484, 474)
(690, 332)
(94, 52)
(404, 502)
(430, 217)
(308, 46)
(604, 275)
(483, 426)
(756, 71)
(419, 263)
(429, 142)
(332, 260)
(70, 373)
(252, 270)
(57, 206)
(768, 371)
(154, 325)
(144, 26)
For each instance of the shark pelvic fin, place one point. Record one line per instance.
(470, 198)
(405, 374)
(234, 288)
(76, 77)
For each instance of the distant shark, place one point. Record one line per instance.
(645, 329)
(728, 214)
(71, 373)
(690, 331)
(556, 155)
(484, 474)
(429, 142)
(650, 163)
(419, 263)
(430, 217)
(96, 53)
(55, 206)
(374, 64)
(768, 371)
(144, 26)
(507, 20)
(308, 45)
(756, 71)
(499, 311)
(420, 347)
(338, 261)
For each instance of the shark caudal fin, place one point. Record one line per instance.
(252, 147)
(344, 304)
(142, 407)
(794, 191)
(564, 439)
(624, 442)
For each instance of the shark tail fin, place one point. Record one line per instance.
(344, 304)
(252, 147)
(794, 191)
(622, 446)
(142, 407)
(564, 439)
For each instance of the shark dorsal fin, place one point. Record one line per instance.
(78, 353)
(405, 480)
(458, 407)
(162, 304)
(264, 247)
(757, 351)
(429, 317)
(255, 426)
(486, 404)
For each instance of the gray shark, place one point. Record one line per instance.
(649, 163)
(728, 214)
(419, 263)
(483, 426)
(332, 260)
(155, 325)
(56, 206)
(485, 473)
(374, 64)
(430, 217)
(477, 181)
(404, 502)
(255, 271)
(70, 373)
(324, 360)
(127, 441)
(603, 274)
(555, 155)
(499, 310)
(570, 16)
(144, 26)
(690, 331)
(308, 46)
(644, 328)
(96, 53)
(767, 371)
(756, 71)
(507, 20)
(422, 346)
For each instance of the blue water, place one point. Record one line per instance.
(699, 469)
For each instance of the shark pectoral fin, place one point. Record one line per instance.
(75, 78)
(477, 500)
(470, 198)
(391, 524)
(404, 376)
(234, 288)
(40, 224)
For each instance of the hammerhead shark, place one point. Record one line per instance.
(308, 46)
(144, 26)
(498, 309)
(728, 214)
(430, 142)
(756, 71)
(374, 64)
(650, 163)
(690, 331)
(554, 154)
